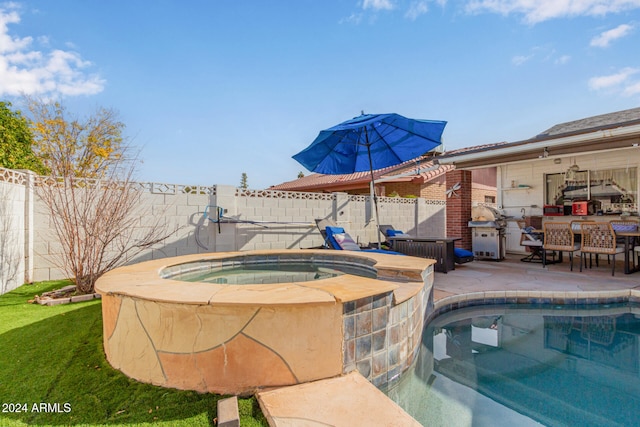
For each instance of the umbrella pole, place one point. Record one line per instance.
(373, 188)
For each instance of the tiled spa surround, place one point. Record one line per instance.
(236, 339)
(382, 336)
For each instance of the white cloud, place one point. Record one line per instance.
(416, 9)
(535, 11)
(26, 70)
(607, 37)
(354, 18)
(614, 81)
(521, 59)
(633, 89)
(377, 4)
(8, 43)
(542, 54)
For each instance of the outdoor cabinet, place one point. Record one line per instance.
(442, 249)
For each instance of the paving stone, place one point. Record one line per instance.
(58, 301)
(78, 298)
(228, 415)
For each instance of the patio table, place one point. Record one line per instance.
(439, 248)
(627, 236)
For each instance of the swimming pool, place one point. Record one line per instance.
(527, 365)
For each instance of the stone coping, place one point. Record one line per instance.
(565, 299)
(144, 280)
(349, 400)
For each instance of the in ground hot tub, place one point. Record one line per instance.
(238, 338)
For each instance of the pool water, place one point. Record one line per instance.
(292, 272)
(542, 365)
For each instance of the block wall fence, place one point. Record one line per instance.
(252, 219)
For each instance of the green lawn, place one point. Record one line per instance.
(54, 355)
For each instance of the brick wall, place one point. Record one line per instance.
(431, 190)
(483, 194)
(459, 207)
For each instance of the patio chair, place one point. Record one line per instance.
(337, 238)
(626, 225)
(558, 236)
(532, 241)
(577, 234)
(599, 238)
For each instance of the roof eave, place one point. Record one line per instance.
(602, 139)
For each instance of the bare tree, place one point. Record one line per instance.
(100, 224)
(94, 206)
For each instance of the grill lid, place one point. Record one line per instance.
(485, 213)
(488, 217)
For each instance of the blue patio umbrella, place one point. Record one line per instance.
(370, 142)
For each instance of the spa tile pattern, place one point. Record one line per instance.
(382, 337)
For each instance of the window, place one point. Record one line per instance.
(614, 190)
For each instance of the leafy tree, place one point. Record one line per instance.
(69, 146)
(16, 142)
(300, 175)
(243, 181)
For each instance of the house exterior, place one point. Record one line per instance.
(420, 177)
(583, 169)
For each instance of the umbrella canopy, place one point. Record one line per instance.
(370, 142)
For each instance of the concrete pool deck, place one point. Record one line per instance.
(348, 402)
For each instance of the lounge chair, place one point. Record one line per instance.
(390, 231)
(336, 237)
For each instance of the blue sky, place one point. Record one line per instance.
(211, 89)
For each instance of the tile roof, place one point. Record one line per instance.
(398, 173)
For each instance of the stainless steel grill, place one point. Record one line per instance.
(488, 237)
